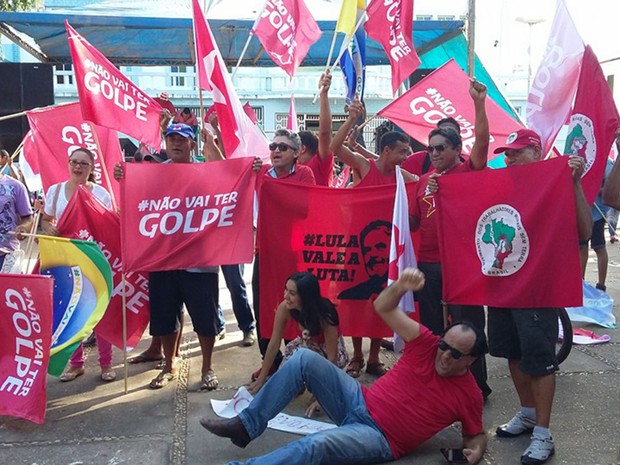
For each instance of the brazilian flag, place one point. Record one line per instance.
(82, 291)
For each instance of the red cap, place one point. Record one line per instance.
(520, 139)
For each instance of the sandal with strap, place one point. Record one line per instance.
(108, 374)
(376, 369)
(71, 374)
(209, 381)
(162, 380)
(354, 368)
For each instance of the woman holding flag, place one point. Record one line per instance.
(81, 165)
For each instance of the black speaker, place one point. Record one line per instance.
(23, 86)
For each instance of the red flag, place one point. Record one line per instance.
(108, 98)
(593, 124)
(555, 82)
(26, 335)
(241, 137)
(340, 235)
(342, 179)
(505, 243)
(88, 219)
(291, 120)
(286, 29)
(247, 108)
(443, 93)
(390, 24)
(56, 132)
(201, 216)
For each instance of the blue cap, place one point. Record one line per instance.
(181, 129)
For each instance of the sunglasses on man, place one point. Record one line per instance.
(439, 148)
(282, 147)
(455, 353)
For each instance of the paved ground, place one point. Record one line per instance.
(90, 422)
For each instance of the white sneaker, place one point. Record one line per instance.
(539, 451)
(519, 424)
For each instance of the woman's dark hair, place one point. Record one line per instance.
(91, 155)
(480, 346)
(316, 310)
(448, 133)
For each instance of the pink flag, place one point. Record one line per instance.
(250, 112)
(241, 137)
(443, 93)
(108, 98)
(57, 131)
(291, 120)
(390, 24)
(286, 29)
(555, 82)
(593, 124)
(401, 249)
(26, 335)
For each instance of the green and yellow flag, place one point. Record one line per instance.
(82, 291)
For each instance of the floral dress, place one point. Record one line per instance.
(316, 344)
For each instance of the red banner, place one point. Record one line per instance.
(512, 240)
(390, 24)
(200, 216)
(286, 29)
(26, 335)
(58, 131)
(593, 124)
(340, 235)
(88, 219)
(443, 93)
(108, 98)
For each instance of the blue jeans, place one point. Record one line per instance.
(357, 439)
(233, 275)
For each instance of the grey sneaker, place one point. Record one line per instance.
(539, 451)
(248, 338)
(519, 424)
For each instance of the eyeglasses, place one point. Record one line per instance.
(82, 164)
(282, 147)
(455, 353)
(439, 147)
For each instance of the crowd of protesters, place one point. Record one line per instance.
(440, 378)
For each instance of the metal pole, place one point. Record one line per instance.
(471, 33)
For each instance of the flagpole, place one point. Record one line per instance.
(104, 167)
(247, 42)
(471, 34)
(24, 113)
(342, 50)
(201, 102)
(124, 299)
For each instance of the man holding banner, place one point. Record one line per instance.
(527, 336)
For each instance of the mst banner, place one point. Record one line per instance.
(184, 215)
(512, 240)
(340, 235)
(26, 335)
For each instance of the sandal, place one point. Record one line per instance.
(376, 369)
(71, 374)
(209, 381)
(144, 358)
(108, 374)
(354, 368)
(161, 380)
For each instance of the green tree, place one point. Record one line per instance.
(17, 5)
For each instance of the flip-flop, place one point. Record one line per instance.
(142, 358)
(585, 336)
(376, 369)
(108, 375)
(209, 381)
(71, 374)
(162, 380)
(354, 368)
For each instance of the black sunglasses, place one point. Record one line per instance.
(282, 147)
(439, 147)
(455, 353)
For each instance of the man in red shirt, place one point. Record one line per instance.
(427, 390)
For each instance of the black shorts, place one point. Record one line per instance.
(597, 239)
(525, 334)
(169, 290)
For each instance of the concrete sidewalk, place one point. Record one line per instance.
(91, 422)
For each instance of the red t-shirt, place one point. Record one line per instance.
(323, 169)
(375, 178)
(412, 403)
(415, 163)
(424, 210)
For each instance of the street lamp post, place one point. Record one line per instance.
(530, 22)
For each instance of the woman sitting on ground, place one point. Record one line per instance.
(317, 319)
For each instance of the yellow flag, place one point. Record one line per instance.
(348, 15)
